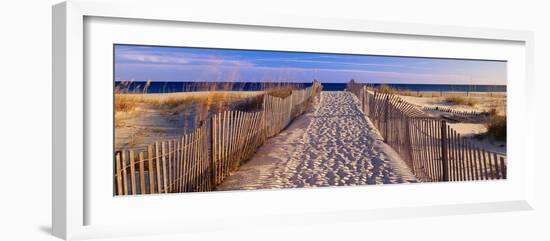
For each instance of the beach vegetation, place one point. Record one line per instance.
(459, 100)
(496, 127)
(386, 89)
(280, 92)
(204, 99)
(249, 104)
(408, 93)
(124, 103)
(118, 122)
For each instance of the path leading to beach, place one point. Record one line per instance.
(335, 145)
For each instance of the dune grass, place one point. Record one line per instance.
(205, 99)
(459, 100)
(124, 103)
(128, 102)
(127, 99)
(496, 127)
(281, 92)
(386, 89)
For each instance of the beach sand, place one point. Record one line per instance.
(335, 145)
(484, 101)
(466, 127)
(151, 120)
(469, 130)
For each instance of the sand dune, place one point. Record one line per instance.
(334, 145)
(469, 127)
(484, 102)
(151, 120)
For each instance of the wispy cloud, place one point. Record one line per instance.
(153, 59)
(340, 63)
(195, 64)
(289, 74)
(174, 58)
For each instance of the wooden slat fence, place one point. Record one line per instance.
(166, 166)
(458, 113)
(430, 147)
(281, 111)
(202, 159)
(235, 137)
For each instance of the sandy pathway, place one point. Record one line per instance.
(333, 146)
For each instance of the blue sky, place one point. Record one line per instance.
(140, 63)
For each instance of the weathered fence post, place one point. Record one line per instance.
(263, 124)
(503, 167)
(213, 150)
(366, 96)
(444, 156)
(290, 107)
(386, 119)
(408, 142)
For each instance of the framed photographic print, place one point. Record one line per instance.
(159, 121)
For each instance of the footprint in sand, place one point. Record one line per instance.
(339, 147)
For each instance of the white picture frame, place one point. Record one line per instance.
(70, 211)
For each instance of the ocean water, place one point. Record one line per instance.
(447, 88)
(173, 86)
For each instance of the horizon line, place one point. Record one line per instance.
(301, 82)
